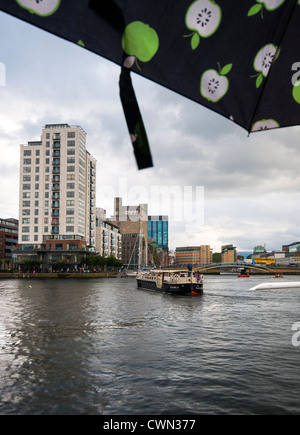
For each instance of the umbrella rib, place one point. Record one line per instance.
(267, 78)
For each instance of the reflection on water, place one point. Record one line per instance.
(104, 347)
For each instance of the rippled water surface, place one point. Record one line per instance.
(104, 347)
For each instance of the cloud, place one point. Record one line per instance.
(251, 184)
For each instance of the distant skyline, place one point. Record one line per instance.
(251, 184)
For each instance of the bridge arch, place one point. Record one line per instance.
(251, 266)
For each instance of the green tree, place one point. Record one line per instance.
(155, 257)
(217, 257)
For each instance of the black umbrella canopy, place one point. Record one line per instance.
(238, 58)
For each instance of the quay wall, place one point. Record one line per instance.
(14, 275)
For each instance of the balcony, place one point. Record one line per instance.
(56, 162)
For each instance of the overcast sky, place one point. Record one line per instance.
(251, 184)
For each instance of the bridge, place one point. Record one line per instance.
(256, 268)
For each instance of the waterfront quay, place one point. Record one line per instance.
(53, 275)
(212, 269)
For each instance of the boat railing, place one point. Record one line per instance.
(177, 278)
(171, 278)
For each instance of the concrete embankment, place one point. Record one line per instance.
(13, 275)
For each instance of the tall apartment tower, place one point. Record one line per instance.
(57, 189)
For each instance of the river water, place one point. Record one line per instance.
(104, 347)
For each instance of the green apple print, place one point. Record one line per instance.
(265, 124)
(214, 85)
(43, 8)
(269, 5)
(263, 61)
(139, 41)
(203, 17)
(296, 92)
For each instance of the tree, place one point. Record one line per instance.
(217, 257)
(31, 265)
(155, 258)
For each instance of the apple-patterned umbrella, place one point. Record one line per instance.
(240, 58)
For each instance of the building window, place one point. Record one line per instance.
(71, 143)
(27, 162)
(70, 229)
(25, 238)
(26, 170)
(70, 168)
(27, 153)
(71, 134)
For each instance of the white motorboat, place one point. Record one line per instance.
(277, 285)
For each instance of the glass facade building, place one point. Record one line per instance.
(158, 231)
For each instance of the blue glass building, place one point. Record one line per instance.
(158, 231)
